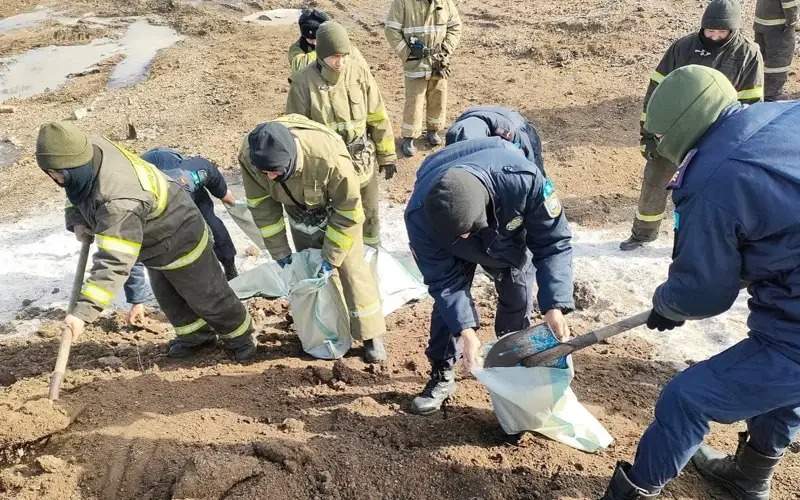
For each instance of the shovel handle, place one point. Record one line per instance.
(61, 364)
(586, 340)
(66, 335)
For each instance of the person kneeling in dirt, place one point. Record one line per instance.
(136, 213)
(482, 202)
(198, 177)
(719, 44)
(735, 197)
(496, 121)
(302, 166)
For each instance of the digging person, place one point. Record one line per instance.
(198, 177)
(719, 44)
(774, 26)
(302, 166)
(424, 34)
(481, 202)
(136, 213)
(304, 51)
(496, 121)
(735, 197)
(338, 90)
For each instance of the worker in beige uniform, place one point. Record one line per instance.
(136, 213)
(424, 34)
(338, 90)
(303, 167)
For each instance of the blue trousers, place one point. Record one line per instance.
(514, 304)
(751, 381)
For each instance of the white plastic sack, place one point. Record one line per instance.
(540, 400)
(241, 215)
(317, 306)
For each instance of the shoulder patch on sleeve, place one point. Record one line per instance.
(551, 202)
(677, 179)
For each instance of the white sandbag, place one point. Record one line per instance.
(241, 215)
(318, 308)
(540, 399)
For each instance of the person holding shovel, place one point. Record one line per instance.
(482, 202)
(303, 167)
(736, 194)
(135, 212)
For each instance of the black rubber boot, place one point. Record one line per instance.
(746, 475)
(374, 350)
(622, 488)
(243, 347)
(441, 386)
(186, 346)
(632, 244)
(230, 269)
(433, 138)
(407, 147)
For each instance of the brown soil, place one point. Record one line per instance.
(134, 424)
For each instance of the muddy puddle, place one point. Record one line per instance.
(48, 68)
(141, 43)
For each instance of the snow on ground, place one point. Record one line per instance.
(38, 258)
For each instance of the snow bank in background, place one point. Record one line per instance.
(38, 257)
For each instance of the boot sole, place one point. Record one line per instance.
(731, 488)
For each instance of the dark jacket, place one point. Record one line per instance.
(496, 121)
(736, 199)
(525, 217)
(198, 177)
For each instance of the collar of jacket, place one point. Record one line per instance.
(329, 75)
(735, 34)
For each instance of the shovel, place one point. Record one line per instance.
(66, 334)
(520, 347)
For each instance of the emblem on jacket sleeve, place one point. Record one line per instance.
(551, 202)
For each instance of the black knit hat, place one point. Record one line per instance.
(456, 204)
(309, 21)
(723, 15)
(272, 148)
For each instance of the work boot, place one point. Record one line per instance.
(230, 269)
(782, 96)
(407, 147)
(374, 350)
(243, 347)
(622, 488)
(746, 475)
(185, 346)
(632, 243)
(441, 386)
(433, 138)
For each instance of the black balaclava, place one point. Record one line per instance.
(309, 22)
(457, 204)
(721, 15)
(78, 182)
(272, 149)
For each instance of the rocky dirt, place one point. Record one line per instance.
(133, 424)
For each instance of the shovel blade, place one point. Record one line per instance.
(514, 347)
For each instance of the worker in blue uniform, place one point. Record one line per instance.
(496, 121)
(199, 177)
(736, 195)
(482, 202)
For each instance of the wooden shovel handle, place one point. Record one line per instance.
(66, 334)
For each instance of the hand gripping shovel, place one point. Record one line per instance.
(520, 347)
(66, 334)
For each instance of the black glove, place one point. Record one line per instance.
(388, 170)
(285, 261)
(649, 144)
(660, 323)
